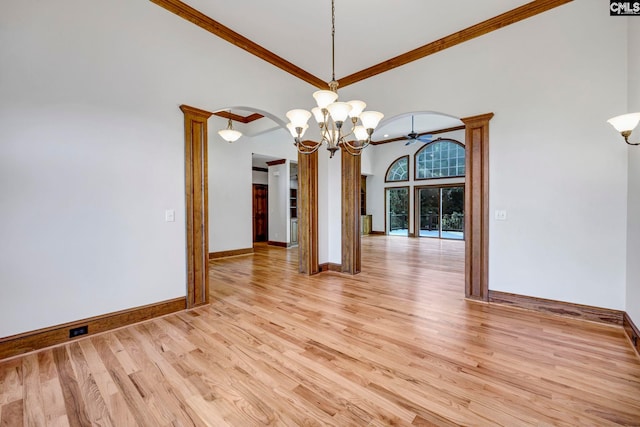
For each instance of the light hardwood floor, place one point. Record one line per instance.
(394, 345)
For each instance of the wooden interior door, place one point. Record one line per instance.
(260, 213)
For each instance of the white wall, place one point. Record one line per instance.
(259, 177)
(329, 207)
(92, 151)
(633, 217)
(552, 81)
(386, 154)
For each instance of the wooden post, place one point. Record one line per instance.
(476, 206)
(351, 172)
(308, 213)
(195, 138)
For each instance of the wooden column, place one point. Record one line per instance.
(476, 206)
(351, 172)
(308, 213)
(195, 142)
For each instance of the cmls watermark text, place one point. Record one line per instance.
(624, 8)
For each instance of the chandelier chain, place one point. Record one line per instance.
(333, 40)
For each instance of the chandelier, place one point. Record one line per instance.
(331, 116)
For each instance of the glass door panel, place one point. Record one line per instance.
(397, 211)
(429, 212)
(452, 213)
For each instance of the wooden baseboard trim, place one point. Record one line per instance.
(633, 332)
(379, 233)
(567, 309)
(330, 266)
(34, 340)
(279, 244)
(234, 252)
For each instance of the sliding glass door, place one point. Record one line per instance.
(397, 211)
(440, 212)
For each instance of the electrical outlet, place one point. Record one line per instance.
(80, 330)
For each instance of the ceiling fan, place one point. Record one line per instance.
(412, 136)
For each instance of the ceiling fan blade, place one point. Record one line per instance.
(410, 141)
(425, 138)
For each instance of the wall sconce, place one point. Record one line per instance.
(625, 124)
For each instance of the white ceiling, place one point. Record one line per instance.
(367, 31)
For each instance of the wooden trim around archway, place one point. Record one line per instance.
(476, 219)
(196, 193)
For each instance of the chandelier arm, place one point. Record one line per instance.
(308, 150)
(354, 151)
(324, 137)
(307, 147)
(350, 145)
(346, 135)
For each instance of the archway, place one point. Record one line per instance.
(476, 205)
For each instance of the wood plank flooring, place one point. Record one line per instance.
(395, 345)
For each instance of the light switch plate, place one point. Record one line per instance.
(501, 215)
(169, 215)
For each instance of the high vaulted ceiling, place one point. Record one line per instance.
(368, 32)
(372, 36)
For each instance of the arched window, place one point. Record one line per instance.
(399, 170)
(440, 159)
